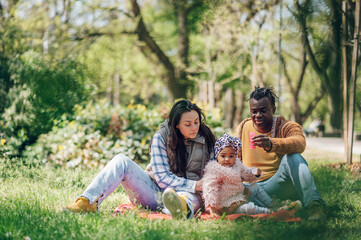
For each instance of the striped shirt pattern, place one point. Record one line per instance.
(160, 166)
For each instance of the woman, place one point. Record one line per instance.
(179, 152)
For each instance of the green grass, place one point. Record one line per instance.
(32, 199)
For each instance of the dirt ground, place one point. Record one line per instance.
(333, 150)
(330, 148)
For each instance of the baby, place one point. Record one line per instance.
(223, 191)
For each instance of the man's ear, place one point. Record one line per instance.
(273, 109)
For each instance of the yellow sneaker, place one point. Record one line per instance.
(81, 205)
(176, 204)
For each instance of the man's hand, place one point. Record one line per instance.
(262, 141)
(199, 185)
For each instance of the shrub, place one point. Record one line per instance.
(43, 92)
(97, 133)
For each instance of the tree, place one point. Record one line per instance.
(297, 114)
(235, 55)
(324, 52)
(11, 46)
(176, 76)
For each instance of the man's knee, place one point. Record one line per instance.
(293, 160)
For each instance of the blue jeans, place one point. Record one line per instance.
(136, 183)
(293, 180)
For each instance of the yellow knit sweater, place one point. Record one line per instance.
(286, 137)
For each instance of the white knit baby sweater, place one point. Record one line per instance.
(223, 186)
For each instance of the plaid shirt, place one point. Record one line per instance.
(160, 166)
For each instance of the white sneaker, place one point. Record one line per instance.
(176, 204)
(296, 205)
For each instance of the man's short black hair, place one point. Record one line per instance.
(261, 92)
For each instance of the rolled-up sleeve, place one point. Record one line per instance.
(160, 166)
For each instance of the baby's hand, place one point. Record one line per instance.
(259, 172)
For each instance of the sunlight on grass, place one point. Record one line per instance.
(32, 201)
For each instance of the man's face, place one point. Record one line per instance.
(261, 114)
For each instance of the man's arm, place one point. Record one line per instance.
(291, 139)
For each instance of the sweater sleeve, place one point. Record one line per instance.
(238, 133)
(210, 186)
(291, 140)
(247, 174)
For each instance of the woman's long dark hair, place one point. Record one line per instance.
(175, 145)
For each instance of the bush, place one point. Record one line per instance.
(43, 92)
(97, 133)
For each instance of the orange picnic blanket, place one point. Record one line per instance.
(284, 216)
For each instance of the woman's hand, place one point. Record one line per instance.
(199, 185)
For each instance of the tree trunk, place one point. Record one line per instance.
(228, 107)
(116, 95)
(345, 78)
(297, 115)
(328, 70)
(109, 92)
(351, 113)
(238, 113)
(175, 86)
(183, 39)
(254, 70)
(211, 94)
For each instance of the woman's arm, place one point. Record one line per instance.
(160, 166)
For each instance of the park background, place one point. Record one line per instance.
(81, 81)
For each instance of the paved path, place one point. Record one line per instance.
(335, 145)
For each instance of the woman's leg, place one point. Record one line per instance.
(136, 183)
(190, 199)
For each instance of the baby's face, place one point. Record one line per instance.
(227, 157)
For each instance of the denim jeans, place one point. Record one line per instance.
(259, 196)
(136, 183)
(293, 180)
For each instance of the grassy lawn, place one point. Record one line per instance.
(32, 199)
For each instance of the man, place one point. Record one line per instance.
(285, 173)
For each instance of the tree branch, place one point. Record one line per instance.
(312, 105)
(288, 77)
(302, 22)
(144, 36)
(301, 74)
(85, 34)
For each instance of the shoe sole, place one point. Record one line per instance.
(174, 204)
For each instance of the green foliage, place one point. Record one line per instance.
(11, 47)
(106, 58)
(44, 91)
(100, 131)
(32, 200)
(97, 133)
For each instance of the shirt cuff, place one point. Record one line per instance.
(193, 186)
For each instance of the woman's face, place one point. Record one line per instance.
(189, 124)
(227, 157)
